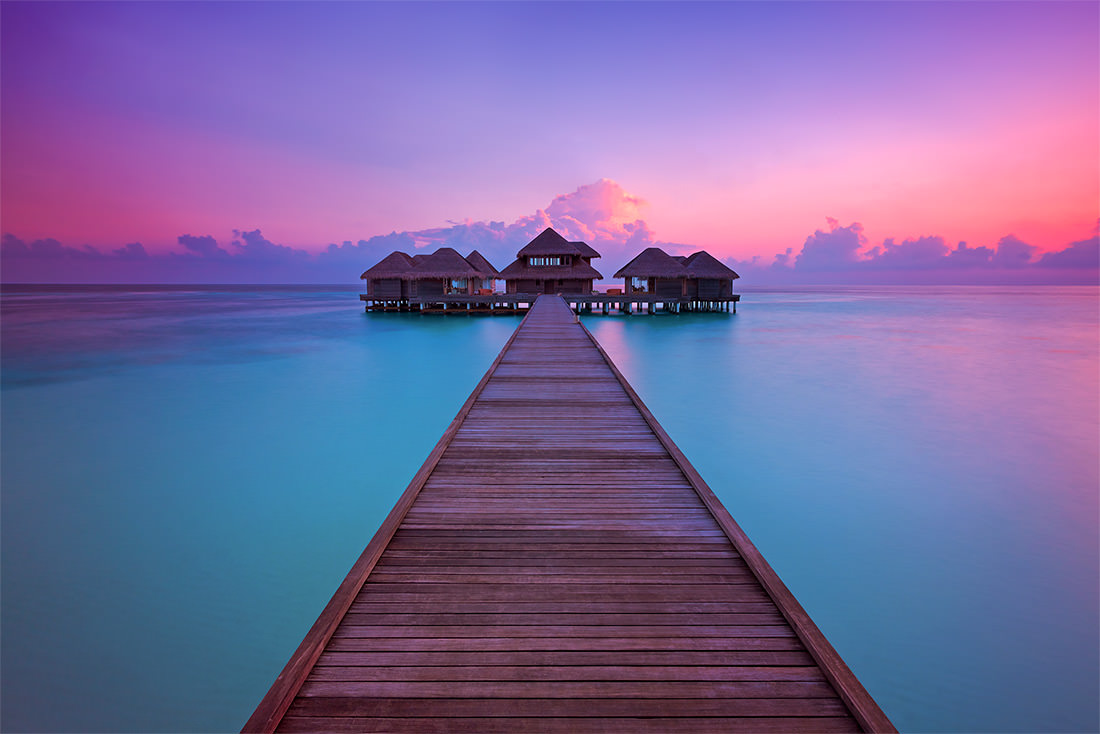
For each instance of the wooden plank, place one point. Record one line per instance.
(567, 644)
(532, 562)
(363, 653)
(564, 689)
(558, 606)
(357, 618)
(561, 559)
(564, 707)
(568, 673)
(562, 631)
(730, 723)
(594, 636)
(558, 576)
(445, 593)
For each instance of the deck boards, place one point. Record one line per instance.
(554, 568)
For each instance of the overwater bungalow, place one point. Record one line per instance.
(399, 277)
(707, 278)
(697, 277)
(442, 273)
(552, 264)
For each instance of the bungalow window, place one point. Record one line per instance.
(535, 261)
(458, 284)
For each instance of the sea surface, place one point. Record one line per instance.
(187, 473)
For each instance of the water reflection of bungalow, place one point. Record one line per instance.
(399, 277)
(697, 277)
(552, 264)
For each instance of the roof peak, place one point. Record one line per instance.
(702, 264)
(480, 263)
(550, 242)
(552, 231)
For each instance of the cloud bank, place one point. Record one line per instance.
(842, 255)
(602, 214)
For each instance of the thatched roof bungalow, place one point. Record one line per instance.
(444, 272)
(551, 264)
(698, 276)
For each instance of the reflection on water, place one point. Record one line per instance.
(188, 473)
(84, 330)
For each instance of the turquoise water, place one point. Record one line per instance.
(187, 475)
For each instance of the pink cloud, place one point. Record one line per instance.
(602, 214)
(1012, 252)
(836, 249)
(1080, 254)
(922, 253)
(841, 254)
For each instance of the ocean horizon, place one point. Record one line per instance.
(188, 472)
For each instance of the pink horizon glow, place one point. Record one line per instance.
(128, 123)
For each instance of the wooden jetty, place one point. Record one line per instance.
(498, 304)
(557, 565)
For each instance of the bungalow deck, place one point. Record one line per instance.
(557, 565)
(513, 303)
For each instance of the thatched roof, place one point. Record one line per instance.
(704, 265)
(443, 263)
(550, 242)
(585, 249)
(394, 265)
(652, 262)
(579, 270)
(478, 261)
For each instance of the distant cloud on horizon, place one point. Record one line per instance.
(602, 214)
(841, 254)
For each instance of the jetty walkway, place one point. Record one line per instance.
(557, 565)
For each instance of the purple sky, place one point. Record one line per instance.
(260, 142)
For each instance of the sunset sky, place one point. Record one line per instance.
(741, 128)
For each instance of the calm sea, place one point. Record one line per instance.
(188, 474)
